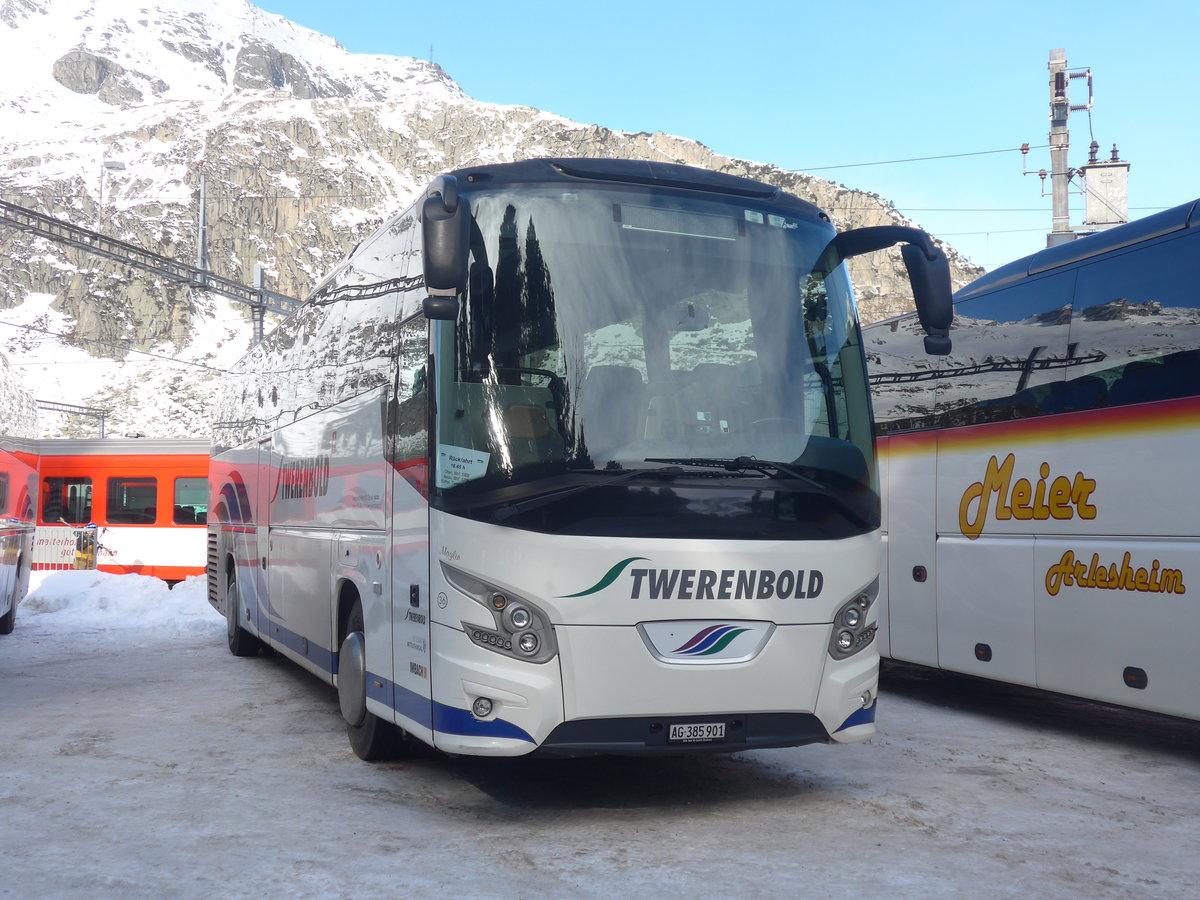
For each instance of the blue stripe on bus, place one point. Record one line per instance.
(416, 707)
(438, 716)
(450, 720)
(861, 717)
(321, 657)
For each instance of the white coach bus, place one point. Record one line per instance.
(574, 457)
(1039, 527)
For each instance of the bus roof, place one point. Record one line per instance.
(1186, 215)
(635, 171)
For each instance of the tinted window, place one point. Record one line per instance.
(407, 428)
(1138, 317)
(1011, 353)
(67, 500)
(191, 501)
(131, 501)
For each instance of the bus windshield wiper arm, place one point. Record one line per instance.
(741, 464)
(509, 510)
(771, 468)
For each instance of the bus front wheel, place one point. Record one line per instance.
(371, 737)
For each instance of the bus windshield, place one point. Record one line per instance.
(645, 361)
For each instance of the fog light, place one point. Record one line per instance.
(845, 640)
(482, 707)
(852, 616)
(528, 643)
(867, 699)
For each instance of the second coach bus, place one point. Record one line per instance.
(573, 456)
(1040, 522)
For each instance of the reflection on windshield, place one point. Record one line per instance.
(604, 328)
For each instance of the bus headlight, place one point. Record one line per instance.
(528, 643)
(851, 630)
(518, 618)
(521, 630)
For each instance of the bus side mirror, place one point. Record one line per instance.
(444, 308)
(928, 273)
(930, 280)
(445, 236)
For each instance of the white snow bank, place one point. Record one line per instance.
(90, 601)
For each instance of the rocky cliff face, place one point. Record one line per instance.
(18, 412)
(304, 148)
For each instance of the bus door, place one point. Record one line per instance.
(912, 546)
(263, 482)
(406, 448)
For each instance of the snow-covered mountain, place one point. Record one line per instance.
(113, 109)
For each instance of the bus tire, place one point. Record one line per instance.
(241, 642)
(8, 621)
(371, 737)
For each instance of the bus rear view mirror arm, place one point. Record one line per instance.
(445, 239)
(928, 273)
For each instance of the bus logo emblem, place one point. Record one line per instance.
(696, 642)
(710, 641)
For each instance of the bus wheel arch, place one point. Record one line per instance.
(241, 642)
(371, 737)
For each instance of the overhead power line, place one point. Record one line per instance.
(889, 162)
(113, 344)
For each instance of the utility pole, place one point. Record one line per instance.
(1060, 142)
(202, 229)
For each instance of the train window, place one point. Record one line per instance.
(3, 491)
(132, 501)
(191, 501)
(66, 501)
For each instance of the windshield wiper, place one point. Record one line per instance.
(773, 469)
(509, 510)
(741, 464)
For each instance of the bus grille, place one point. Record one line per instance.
(211, 569)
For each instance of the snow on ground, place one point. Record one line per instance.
(139, 759)
(93, 602)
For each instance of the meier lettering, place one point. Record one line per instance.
(1063, 498)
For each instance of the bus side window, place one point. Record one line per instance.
(1148, 292)
(1010, 368)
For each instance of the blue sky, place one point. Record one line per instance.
(817, 87)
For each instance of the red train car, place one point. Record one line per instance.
(147, 498)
